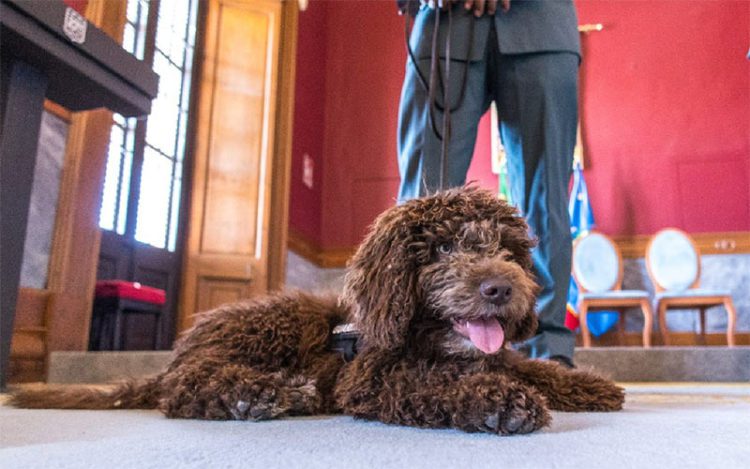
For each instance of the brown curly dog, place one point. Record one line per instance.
(438, 289)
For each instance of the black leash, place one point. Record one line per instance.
(411, 8)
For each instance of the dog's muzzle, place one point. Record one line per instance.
(344, 338)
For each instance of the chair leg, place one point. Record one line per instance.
(117, 334)
(94, 333)
(702, 312)
(621, 326)
(583, 318)
(662, 309)
(731, 320)
(157, 333)
(648, 322)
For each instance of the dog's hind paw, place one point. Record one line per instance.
(589, 393)
(606, 397)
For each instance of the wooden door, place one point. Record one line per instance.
(141, 214)
(238, 210)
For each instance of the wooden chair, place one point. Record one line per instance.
(598, 271)
(674, 266)
(115, 299)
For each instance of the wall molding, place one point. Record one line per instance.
(326, 258)
(57, 110)
(727, 242)
(632, 247)
(28, 353)
(633, 339)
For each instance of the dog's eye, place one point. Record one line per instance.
(445, 248)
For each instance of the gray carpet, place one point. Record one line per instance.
(680, 426)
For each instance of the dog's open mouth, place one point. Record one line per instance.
(486, 334)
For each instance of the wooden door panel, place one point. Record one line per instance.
(227, 249)
(239, 126)
(156, 268)
(213, 292)
(114, 257)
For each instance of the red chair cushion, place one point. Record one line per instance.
(130, 290)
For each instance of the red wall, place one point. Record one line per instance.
(666, 103)
(79, 5)
(309, 121)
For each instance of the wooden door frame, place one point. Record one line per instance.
(281, 177)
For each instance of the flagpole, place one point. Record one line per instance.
(578, 151)
(579, 210)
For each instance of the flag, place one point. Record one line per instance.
(502, 178)
(581, 215)
(581, 222)
(499, 157)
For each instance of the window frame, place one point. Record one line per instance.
(174, 217)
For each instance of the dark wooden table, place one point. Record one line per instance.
(47, 50)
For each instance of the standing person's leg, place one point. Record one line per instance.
(537, 98)
(419, 149)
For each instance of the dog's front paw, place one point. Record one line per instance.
(256, 402)
(267, 400)
(520, 413)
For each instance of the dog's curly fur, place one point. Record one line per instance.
(418, 275)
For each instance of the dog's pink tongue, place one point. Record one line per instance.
(486, 334)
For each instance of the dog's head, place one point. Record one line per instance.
(457, 262)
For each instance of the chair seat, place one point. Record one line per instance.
(691, 293)
(130, 290)
(615, 294)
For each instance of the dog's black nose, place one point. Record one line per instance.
(496, 290)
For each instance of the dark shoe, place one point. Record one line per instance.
(563, 360)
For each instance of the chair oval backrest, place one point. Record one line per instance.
(673, 260)
(596, 263)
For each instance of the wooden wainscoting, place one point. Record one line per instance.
(633, 339)
(238, 205)
(733, 242)
(28, 350)
(324, 258)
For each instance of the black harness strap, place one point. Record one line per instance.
(344, 340)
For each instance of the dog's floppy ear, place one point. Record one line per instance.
(381, 285)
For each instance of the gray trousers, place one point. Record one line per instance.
(537, 99)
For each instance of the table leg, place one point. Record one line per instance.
(22, 90)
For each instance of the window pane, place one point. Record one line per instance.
(153, 202)
(164, 119)
(111, 179)
(128, 37)
(114, 210)
(137, 16)
(122, 211)
(161, 179)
